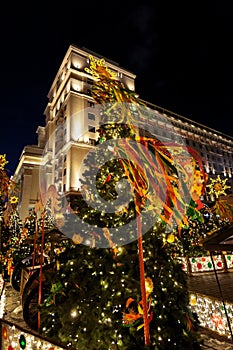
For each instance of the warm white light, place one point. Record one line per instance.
(73, 313)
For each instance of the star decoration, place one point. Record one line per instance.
(13, 200)
(218, 186)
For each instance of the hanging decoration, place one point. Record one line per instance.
(134, 315)
(98, 69)
(3, 161)
(162, 175)
(4, 179)
(223, 207)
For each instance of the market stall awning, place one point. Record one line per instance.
(220, 240)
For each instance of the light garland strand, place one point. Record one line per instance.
(16, 339)
(211, 313)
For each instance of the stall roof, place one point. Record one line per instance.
(220, 240)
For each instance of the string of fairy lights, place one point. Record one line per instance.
(211, 313)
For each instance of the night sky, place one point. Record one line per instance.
(180, 51)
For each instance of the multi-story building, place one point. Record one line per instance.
(27, 174)
(70, 132)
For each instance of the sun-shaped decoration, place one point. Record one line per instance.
(98, 69)
(218, 186)
(3, 161)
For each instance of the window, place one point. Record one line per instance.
(64, 172)
(92, 141)
(91, 116)
(91, 104)
(91, 128)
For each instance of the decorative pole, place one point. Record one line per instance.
(41, 268)
(142, 278)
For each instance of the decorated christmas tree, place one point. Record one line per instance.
(36, 242)
(10, 223)
(119, 283)
(21, 241)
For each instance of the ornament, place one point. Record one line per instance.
(193, 300)
(149, 285)
(107, 235)
(134, 316)
(22, 341)
(59, 220)
(101, 139)
(10, 348)
(108, 178)
(77, 238)
(171, 238)
(218, 322)
(4, 332)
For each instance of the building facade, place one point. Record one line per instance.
(70, 132)
(27, 175)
